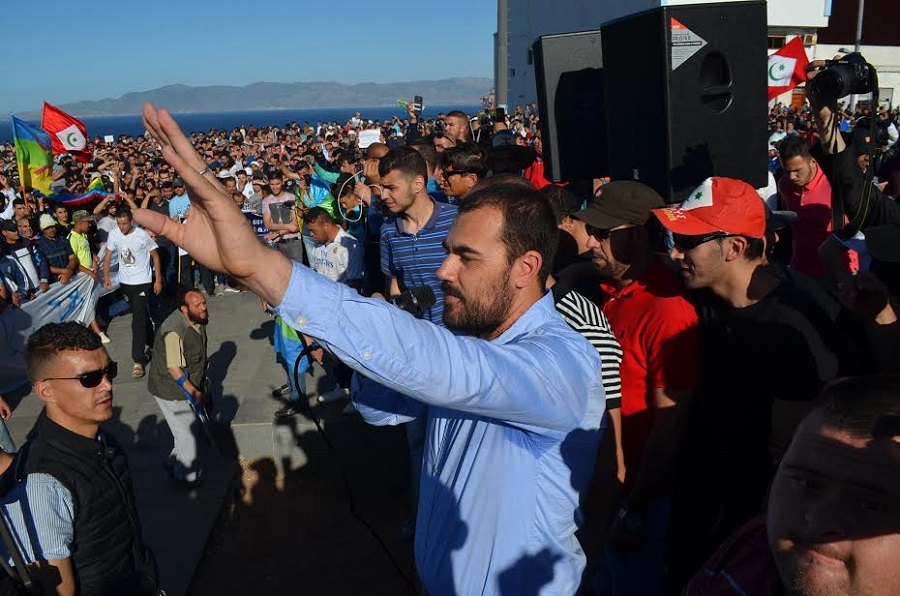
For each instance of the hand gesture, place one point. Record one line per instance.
(364, 192)
(216, 234)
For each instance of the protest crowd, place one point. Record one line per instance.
(705, 392)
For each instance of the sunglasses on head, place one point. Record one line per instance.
(92, 378)
(690, 242)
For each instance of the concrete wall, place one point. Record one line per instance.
(529, 19)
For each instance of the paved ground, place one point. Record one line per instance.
(272, 528)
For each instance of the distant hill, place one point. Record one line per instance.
(265, 96)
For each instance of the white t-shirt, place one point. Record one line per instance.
(134, 255)
(340, 260)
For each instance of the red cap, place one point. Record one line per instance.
(717, 205)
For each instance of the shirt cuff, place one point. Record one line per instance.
(311, 301)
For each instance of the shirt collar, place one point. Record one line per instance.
(432, 221)
(536, 315)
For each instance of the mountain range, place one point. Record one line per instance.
(265, 96)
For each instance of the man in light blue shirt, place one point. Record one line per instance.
(513, 394)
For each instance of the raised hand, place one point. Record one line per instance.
(215, 233)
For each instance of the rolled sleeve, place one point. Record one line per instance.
(174, 351)
(41, 514)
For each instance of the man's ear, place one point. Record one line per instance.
(526, 269)
(45, 392)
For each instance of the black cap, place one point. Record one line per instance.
(8, 225)
(178, 182)
(619, 203)
(166, 184)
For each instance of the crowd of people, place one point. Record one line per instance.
(704, 392)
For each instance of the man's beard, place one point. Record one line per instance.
(198, 319)
(477, 317)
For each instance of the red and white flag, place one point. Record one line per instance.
(787, 67)
(69, 135)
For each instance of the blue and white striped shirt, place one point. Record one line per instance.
(413, 259)
(41, 517)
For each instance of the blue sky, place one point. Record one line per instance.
(96, 49)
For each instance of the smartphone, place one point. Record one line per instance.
(418, 105)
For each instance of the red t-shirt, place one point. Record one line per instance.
(657, 329)
(812, 204)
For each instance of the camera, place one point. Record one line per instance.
(851, 75)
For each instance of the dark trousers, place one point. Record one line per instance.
(138, 297)
(186, 277)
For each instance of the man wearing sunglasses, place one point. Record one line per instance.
(68, 495)
(767, 349)
(657, 329)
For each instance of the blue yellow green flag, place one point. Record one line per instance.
(34, 156)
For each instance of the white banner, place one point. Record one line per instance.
(74, 301)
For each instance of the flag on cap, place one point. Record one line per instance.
(787, 67)
(69, 135)
(33, 155)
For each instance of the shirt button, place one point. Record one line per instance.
(301, 322)
(367, 355)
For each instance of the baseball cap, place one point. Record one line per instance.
(82, 215)
(619, 203)
(8, 225)
(178, 182)
(46, 221)
(717, 205)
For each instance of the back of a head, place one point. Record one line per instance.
(528, 222)
(405, 160)
(51, 339)
(343, 186)
(563, 202)
(318, 215)
(426, 148)
(466, 157)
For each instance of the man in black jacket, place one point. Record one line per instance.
(68, 493)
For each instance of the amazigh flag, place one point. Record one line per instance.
(787, 67)
(69, 135)
(34, 156)
(96, 184)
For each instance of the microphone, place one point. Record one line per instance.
(415, 301)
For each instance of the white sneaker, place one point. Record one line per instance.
(336, 394)
(104, 339)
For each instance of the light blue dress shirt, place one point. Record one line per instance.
(513, 428)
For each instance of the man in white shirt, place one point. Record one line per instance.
(136, 250)
(337, 255)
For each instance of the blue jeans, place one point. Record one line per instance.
(640, 572)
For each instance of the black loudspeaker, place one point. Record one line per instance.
(569, 75)
(686, 95)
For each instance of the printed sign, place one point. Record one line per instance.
(684, 43)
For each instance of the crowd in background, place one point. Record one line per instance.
(730, 317)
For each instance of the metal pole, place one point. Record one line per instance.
(501, 74)
(859, 26)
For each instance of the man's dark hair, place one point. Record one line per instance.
(276, 175)
(342, 186)
(182, 296)
(346, 157)
(527, 221)
(466, 157)
(318, 214)
(406, 160)
(563, 202)
(53, 338)
(458, 114)
(865, 407)
(124, 213)
(426, 148)
(793, 146)
(755, 249)
(17, 202)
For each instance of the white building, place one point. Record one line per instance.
(526, 20)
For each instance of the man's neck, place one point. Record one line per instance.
(333, 234)
(521, 304)
(748, 284)
(418, 214)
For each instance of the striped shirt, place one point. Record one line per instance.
(44, 528)
(413, 259)
(56, 250)
(586, 318)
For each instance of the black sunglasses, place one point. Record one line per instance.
(447, 174)
(598, 233)
(92, 378)
(691, 242)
